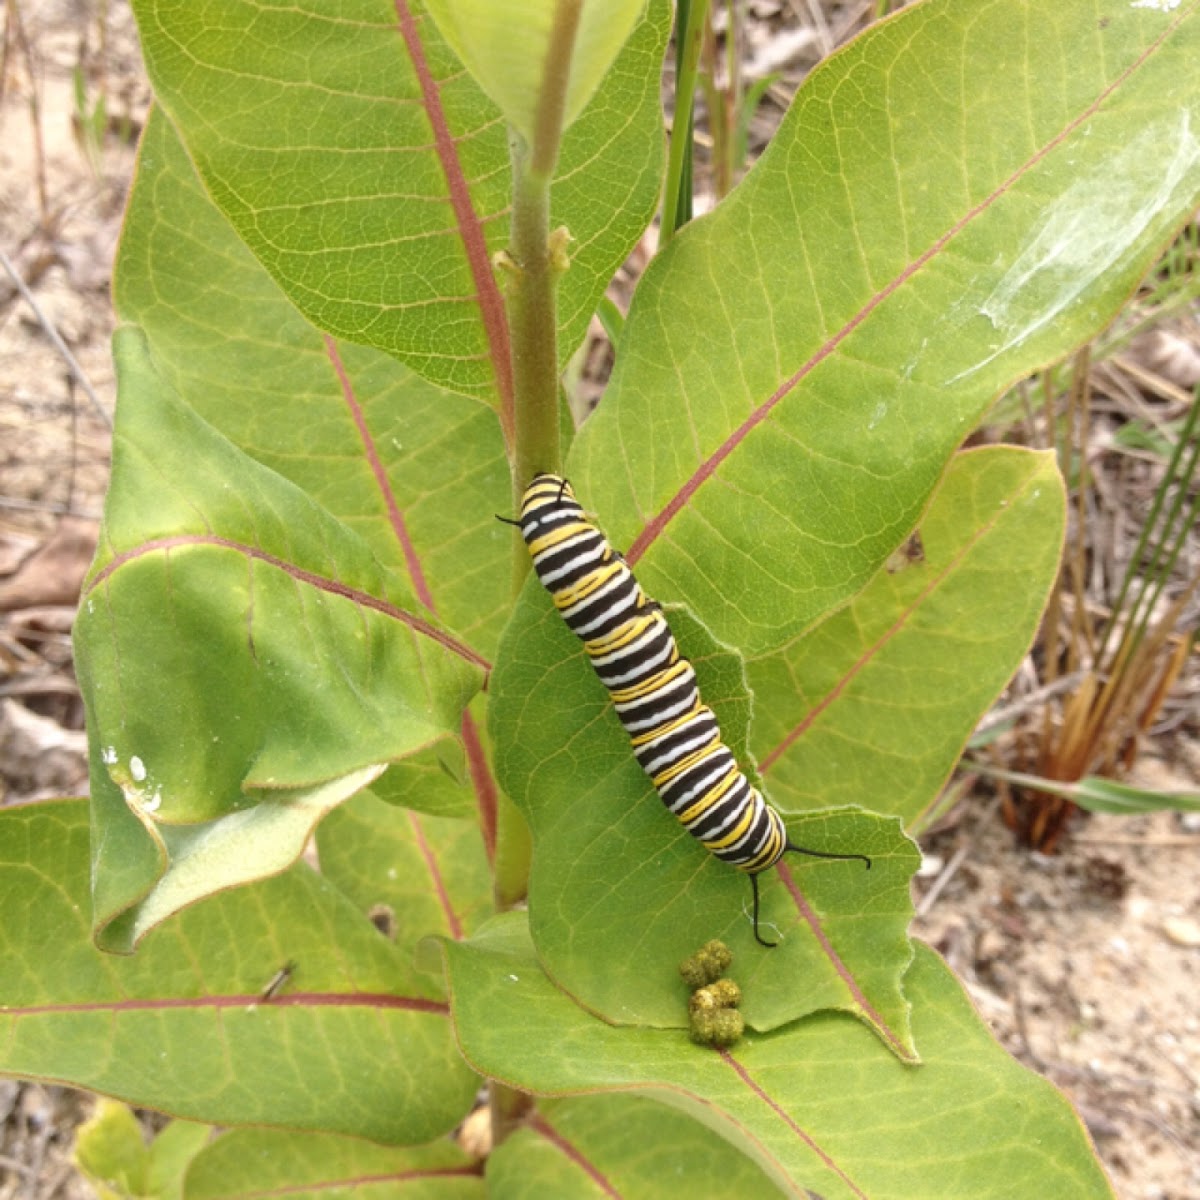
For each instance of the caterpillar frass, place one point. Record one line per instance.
(675, 736)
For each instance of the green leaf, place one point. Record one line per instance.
(624, 1146)
(510, 47)
(361, 434)
(971, 1121)
(874, 705)
(1105, 795)
(423, 874)
(1109, 795)
(112, 1154)
(367, 439)
(355, 1041)
(434, 781)
(620, 893)
(252, 1162)
(370, 175)
(319, 666)
(931, 222)
(171, 1153)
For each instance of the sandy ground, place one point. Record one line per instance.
(1086, 965)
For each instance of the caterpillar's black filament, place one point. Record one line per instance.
(675, 735)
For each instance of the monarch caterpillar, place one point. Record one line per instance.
(675, 736)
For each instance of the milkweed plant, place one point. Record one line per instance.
(367, 848)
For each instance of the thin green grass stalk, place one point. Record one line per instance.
(1080, 408)
(677, 198)
(1164, 564)
(1158, 572)
(731, 113)
(1123, 701)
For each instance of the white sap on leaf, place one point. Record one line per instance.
(143, 799)
(1159, 5)
(1082, 236)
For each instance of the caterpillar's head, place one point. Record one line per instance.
(548, 501)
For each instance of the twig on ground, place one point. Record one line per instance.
(938, 886)
(1000, 716)
(55, 337)
(1179, 840)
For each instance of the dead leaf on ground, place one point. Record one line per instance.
(41, 759)
(54, 573)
